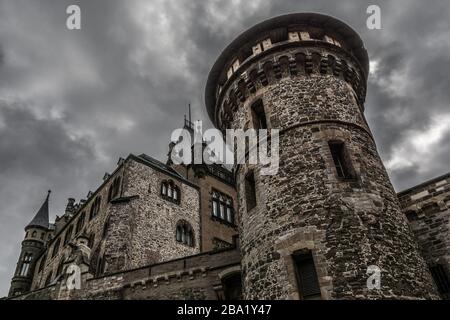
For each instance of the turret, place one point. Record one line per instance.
(329, 218)
(32, 245)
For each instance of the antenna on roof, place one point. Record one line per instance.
(190, 121)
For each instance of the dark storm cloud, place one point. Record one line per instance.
(75, 101)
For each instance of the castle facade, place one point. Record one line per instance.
(166, 231)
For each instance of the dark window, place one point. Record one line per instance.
(91, 240)
(56, 247)
(68, 235)
(222, 207)
(34, 234)
(259, 116)
(250, 191)
(440, 278)
(26, 262)
(307, 282)
(411, 215)
(100, 267)
(80, 222)
(95, 207)
(42, 235)
(114, 189)
(341, 160)
(184, 233)
(105, 228)
(232, 287)
(170, 191)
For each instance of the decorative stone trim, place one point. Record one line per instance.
(305, 238)
(272, 68)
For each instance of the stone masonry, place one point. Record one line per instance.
(310, 78)
(220, 234)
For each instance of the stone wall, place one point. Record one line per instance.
(136, 228)
(427, 208)
(347, 224)
(194, 277)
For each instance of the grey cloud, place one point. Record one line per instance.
(77, 100)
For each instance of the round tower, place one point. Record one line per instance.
(32, 246)
(328, 225)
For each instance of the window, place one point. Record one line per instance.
(232, 287)
(56, 247)
(307, 282)
(222, 207)
(42, 235)
(26, 262)
(184, 233)
(341, 160)
(250, 191)
(95, 207)
(80, 222)
(91, 240)
(100, 267)
(440, 278)
(170, 191)
(259, 116)
(34, 234)
(68, 235)
(114, 189)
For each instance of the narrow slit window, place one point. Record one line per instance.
(259, 116)
(307, 281)
(440, 278)
(340, 159)
(250, 191)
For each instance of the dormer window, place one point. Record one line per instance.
(170, 191)
(95, 207)
(114, 189)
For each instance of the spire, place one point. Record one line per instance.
(41, 217)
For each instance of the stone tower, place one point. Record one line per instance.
(329, 218)
(35, 238)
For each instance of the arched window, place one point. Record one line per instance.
(80, 222)
(56, 247)
(34, 234)
(26, 262)
(68, 235)
(341, 159)
(114, 189)
(95, 207)
(222, 207)
(91, 240)
(170, 191)
(184, 233)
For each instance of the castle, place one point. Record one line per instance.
(164, 231)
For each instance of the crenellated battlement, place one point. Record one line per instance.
(287, 60)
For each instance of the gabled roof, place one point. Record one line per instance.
(41, 217)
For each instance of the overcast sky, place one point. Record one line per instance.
(73, 102)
